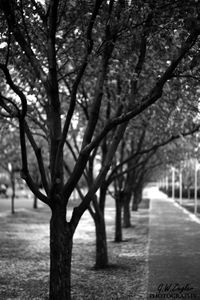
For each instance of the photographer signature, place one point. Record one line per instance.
(174, 288)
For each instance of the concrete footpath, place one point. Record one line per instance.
(174, 252)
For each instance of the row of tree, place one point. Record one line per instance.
(89, 83)
(182, 175)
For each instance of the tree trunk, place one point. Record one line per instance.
(61, 240)
(137, 198)
(102, 198)
(101, 242)
(188, 191)
(35, 206)
(100, 228)
(118, 220)
(127, 215)
(134, 204)
(126, 200)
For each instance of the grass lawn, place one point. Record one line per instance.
(191, 208)
(189, 205)
(24, 258)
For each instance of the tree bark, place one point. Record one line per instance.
(126, 200)
(100, 228)
(188, 192)
(127, 215)
(134, 204)
(102, 198)
(35, 206)
(101, 242)
(61, 240)
(137, 198)
(118, 219)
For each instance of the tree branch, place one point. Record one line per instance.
(148, 100)
(25, 172)
(78, 211)
(9, 11)
(154, 147)
(7, 108)
(38, 155)
(15, 88)
(79, 77)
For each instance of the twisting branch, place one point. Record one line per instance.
(25, 172)
(15, 88)
(71, 150)
(10, 111)
(81, 195)
(8, 8)
(151, 98)
(38, 155)
(21, 116)
(7, 109)
(154, 147)
(130, 168)
(78, 211)
(79, 77)
(75, 157)
(94, 112)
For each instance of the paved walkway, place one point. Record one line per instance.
(174, 253)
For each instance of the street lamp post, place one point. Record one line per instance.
(12, 179)
(174, 170)
(180, 187)
(173, 183)
(167, 184)
(195, 187)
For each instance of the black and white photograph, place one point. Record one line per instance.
(99, 149)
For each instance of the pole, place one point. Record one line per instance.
(173, 183)
(12, 181)
(13, 192)
(166, 183)
(195, 188)
(180, 188)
